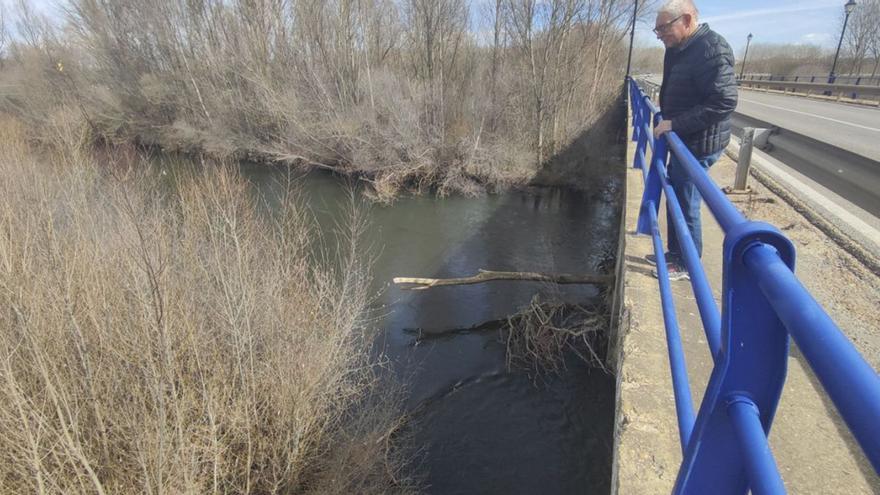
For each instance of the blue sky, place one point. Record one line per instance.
(770, 21)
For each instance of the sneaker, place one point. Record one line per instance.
(652, 258)
(675, 272)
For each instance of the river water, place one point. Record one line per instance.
(478, 427)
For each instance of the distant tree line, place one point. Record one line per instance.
(409, 92)
(860, 51)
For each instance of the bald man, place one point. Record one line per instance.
(697, 97)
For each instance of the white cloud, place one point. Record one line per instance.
(817, 38)
(745, 14)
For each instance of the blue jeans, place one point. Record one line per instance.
(690, 200)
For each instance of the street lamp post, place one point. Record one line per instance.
(742, 69)
(632, 35)
(848, 8)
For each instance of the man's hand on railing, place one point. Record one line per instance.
(662, 128)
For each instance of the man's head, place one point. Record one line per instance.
(676, 22)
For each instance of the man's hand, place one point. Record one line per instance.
(662, 128)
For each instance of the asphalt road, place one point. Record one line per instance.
(833, 144)
(853, 128)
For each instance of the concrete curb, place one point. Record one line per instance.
(850, 232)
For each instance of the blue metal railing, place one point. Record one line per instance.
(725, 446)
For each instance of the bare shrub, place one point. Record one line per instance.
(354, 86)
(161, 334)
(543, 335)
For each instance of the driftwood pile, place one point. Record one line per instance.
(540, 337)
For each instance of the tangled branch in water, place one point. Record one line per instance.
(542, 336)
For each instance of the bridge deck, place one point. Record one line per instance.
(851, 127)
(814, 450)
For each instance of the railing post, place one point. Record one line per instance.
(641, 148)
(752, 362)
(642, 141)
(635, 109)
(653, 188)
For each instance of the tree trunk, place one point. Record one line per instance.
(492, 276)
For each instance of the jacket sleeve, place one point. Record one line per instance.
(718, 84)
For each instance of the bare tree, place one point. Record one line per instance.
(3, 35)
(788, 59)
(436, 32)
(413, 92)
(871, 17)
(539, 31)
(861, 30)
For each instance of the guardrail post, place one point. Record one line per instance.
(752, 362)
(744, 160)
(751, 137)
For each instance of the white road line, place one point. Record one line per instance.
(874, 129)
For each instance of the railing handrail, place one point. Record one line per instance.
(763, 303)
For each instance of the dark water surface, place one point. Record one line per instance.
(480, 428)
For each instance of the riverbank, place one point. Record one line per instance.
(162, 332)
(233, 346)
(408, 97)
(583, 164)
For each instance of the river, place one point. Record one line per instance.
(479, 427)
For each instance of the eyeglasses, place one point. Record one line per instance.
(662, 28)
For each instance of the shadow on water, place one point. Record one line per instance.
(481, 427)
(478, 427)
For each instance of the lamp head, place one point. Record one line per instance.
(749, 37)
(850, 6)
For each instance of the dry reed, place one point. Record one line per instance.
(167, 336)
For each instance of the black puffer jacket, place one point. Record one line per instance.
(699, 91)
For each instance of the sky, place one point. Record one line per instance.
(770, 21)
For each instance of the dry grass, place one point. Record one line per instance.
(543, 335)
(169, 337)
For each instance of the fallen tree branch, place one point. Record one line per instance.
(492, 276)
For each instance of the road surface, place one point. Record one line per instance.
(851, 127)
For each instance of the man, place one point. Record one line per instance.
(697, 97)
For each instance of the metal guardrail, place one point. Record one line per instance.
(846, 80)
(725, 445)
(829, 89)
